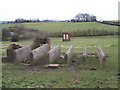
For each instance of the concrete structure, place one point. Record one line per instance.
(22, 54)
(10, 51)
(69, 54)
(54, 53)
(39, 53)
(101, 55)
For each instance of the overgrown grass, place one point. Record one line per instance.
(104, 76)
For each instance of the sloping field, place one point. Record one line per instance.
(66, 26)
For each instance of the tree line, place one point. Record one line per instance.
(80, 17)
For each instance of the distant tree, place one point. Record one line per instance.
(84, 17)
(93, 18)
(78, 17)
(19, 20)
(37, 20)
(73, 20)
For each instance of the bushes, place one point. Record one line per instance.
(5, 34)
(15, 38)
(26, 35)
(40, 38)
(91, 33)
(23, 32)
(115, 23)
(82, 33)
(55, 34)
(18, 32)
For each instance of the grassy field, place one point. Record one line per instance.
(87, 74)
(66, 26)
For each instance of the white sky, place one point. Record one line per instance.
(57, 9)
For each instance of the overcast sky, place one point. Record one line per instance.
(57, 9)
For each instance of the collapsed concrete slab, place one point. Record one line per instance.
(22, 54)
(39, 53)
(101, 55)
(69, 54)
(10, 51)
(54, 53)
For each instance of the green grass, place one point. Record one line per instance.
(66, 26)
(105, 76)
